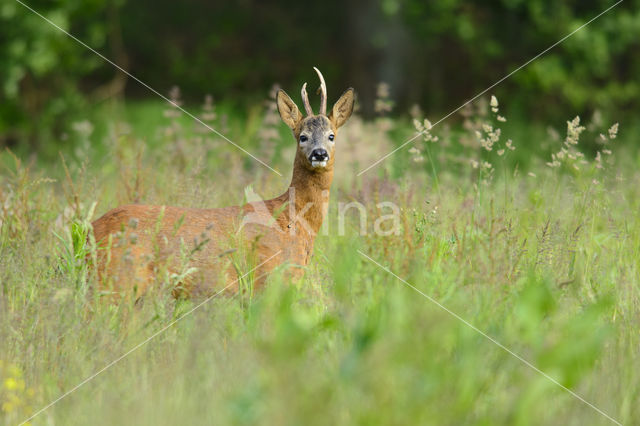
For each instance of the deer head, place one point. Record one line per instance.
(316, 134)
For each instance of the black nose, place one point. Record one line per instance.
(319, 155)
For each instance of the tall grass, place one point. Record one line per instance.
(542, 258)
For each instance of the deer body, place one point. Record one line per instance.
(199, 247)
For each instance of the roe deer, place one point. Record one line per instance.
(136, 240)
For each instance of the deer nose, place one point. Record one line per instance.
(319, 155)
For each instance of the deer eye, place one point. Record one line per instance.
(331, 137)
(303, 138)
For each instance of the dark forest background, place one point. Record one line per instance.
(436, 54)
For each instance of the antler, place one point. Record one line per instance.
(323, 93)
(305, 100)
(323, 96)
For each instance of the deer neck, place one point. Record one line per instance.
(308, 195)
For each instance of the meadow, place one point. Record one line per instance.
(527, 231)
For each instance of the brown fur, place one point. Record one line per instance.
(137, 241)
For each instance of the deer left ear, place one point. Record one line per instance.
(288, 110)
(343, 108)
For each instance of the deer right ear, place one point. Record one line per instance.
(288, 110)
(343, 108)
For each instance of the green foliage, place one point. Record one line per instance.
(76, 248)
(434, 54)
(42, 70)
(544, 260)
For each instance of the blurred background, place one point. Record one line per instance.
(432, 54)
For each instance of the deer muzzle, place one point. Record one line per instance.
(319, 157)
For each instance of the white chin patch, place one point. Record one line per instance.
(319, 164)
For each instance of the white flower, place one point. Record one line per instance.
(509, 145)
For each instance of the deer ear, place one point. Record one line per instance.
(343, 108)
(288, 110)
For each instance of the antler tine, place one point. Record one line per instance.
(323, 93)
(305, 100)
